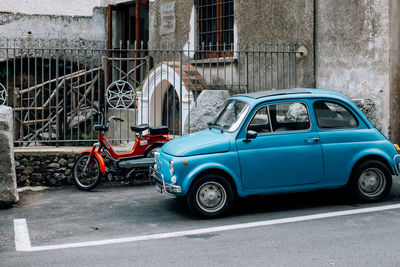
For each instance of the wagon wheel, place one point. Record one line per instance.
(120, 94)
(3, 95)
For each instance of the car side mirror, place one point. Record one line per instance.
(250, 135)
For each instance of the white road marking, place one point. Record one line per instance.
(22, 242)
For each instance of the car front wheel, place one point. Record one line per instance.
(211, 196)
(371, 181)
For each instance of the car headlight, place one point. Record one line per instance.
(173, 179)
(171, 166)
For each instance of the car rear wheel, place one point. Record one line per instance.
(211, 196)
(371, 181)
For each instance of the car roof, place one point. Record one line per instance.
(295, 93)
(290, 93)
(274, 92)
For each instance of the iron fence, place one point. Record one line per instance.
(54, 87)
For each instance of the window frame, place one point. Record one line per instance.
(270, 121)
(214, 51)
(341, 105)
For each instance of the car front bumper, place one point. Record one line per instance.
(161, 185)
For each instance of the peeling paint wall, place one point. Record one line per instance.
(18, 25)
(352, 48)
(52, 7)
(53, 20)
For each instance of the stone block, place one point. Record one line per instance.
(207, 105)
(8, 179)
(367, 106)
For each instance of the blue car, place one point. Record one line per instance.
(278, 141)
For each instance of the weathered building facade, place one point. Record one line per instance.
(347, 46)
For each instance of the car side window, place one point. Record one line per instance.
(260, 122)
(331, 115)
(291, 116)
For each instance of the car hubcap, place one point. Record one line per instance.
(211, 197)
(372, 182)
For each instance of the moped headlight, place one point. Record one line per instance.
(171, 166)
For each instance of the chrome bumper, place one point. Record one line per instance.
(161, 185)
(396, 167)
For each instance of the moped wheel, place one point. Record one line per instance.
(86, 172)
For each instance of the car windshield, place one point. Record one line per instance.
(231, 116)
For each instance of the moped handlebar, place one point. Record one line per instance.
(101, 115)
(115, 118)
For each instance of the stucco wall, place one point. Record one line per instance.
(352, 48)
(183, 10)
(51, 7)
(279, 21)
(19, 25)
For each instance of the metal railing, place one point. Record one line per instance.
(54, 86)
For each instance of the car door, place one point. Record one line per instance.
(286, 151)
(342, 136)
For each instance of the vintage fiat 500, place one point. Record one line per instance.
(278, 141)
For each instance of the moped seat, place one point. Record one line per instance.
(159, 130)
(140, 128)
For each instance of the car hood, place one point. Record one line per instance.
(204, 142)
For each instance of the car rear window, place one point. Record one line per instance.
(332, 115)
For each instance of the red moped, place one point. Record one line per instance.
(90, 166)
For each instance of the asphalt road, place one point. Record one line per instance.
(130, 219)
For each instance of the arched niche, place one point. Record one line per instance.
(154, 88)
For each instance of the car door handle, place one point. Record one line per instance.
(313, 139)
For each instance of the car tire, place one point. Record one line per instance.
(210, 196)
(370, 181)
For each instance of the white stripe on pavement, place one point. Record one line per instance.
(23, 236)
(22, 240)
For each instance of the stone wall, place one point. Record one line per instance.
(45, 166)
(51, 166)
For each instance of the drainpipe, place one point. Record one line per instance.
(137, 25)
